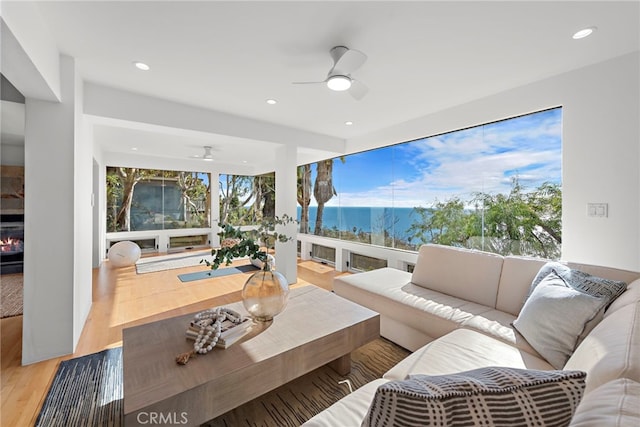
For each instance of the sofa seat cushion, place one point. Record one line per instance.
(614, 404)
(611, 350)
(464, 350)
(497, 324)
(383, 290)
(463, 273)
(348, 411)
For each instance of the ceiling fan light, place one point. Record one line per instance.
(339, 83)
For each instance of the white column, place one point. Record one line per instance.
(57, 265)
(286, 182)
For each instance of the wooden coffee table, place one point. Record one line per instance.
(316, 328)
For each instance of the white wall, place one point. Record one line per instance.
(57, 265)
(82, 209)
(601, 155)
(30, 58)
(12, 155)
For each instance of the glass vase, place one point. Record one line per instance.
(265, 294)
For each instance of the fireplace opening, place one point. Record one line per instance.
(11, 243)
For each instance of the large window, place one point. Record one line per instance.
(495, 187)
(145, 199)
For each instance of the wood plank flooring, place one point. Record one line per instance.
(121, 298)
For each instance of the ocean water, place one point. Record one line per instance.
(367, 219)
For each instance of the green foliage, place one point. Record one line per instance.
(518, 223)
(236, 243)
(246, 200)
(446, 223)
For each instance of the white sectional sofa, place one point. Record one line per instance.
(455, 312)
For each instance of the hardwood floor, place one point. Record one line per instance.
(121, 298)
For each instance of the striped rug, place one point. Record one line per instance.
(172, 261)
(87, 391)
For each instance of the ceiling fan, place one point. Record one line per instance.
(207, 156)
(345, 62)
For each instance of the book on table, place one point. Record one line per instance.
(229, 332)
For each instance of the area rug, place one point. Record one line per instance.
(11, 295)
(208, 274)
(88, 391)
(170, 262)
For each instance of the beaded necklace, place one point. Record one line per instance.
(210, 322)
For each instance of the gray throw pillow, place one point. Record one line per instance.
(496, 396)
(554, 317)
(584, 282)
(557, 348)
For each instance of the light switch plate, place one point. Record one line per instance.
(598, 210)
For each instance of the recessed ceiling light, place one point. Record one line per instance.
(141, 66)
(348, 123)
(134, 148)
(585, 32)
(271, 101)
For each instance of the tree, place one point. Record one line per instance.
(518, 223)
(194, 195)
(524, 223)
(446, 223)
(304, 195)
(264, 197)
(129, 177)
(114, 194)
(235, 193)
(323, 190)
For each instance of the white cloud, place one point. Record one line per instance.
(473, 160)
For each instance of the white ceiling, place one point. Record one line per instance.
(423, 56)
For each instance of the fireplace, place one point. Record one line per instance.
(11, 243)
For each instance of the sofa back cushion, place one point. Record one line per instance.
(614, 404)
(515, 281)
(611, 350)
(463, 273)
(630, 296)
(610, 273)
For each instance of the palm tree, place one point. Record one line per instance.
(304, 195)
(323, 189)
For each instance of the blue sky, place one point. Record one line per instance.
(483, 158)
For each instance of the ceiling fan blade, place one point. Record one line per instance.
(350, 61)
(307, 83)
(358, 89)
